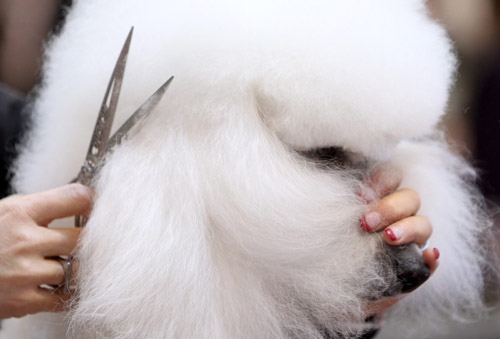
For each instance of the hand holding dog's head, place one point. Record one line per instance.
(235, 210)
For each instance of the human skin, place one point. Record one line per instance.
(28, 246)
(395, 215)
(24, 27)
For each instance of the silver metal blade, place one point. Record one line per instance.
(146, 108)
(102, 128)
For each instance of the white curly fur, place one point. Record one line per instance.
(207, 222)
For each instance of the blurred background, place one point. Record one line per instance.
(25, 27)
(472, 122)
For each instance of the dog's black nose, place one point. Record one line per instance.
(410, 280)
(404, 269)
(411, 270)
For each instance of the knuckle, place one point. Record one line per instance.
(24, 270)
(33, 207)
(387, 178)
(403, 203)
(58, 237)
(414, 196)
(23, 273)
(21, 240)
(66, 239)
(24, 238)
(79, 192)
(418, 201)
(427, 222)
(392, 209)
(22, 208)
(13, 210)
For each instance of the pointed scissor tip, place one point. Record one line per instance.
(163, 88)
(129, 39)
(167, 83)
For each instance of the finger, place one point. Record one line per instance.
(39, 300)
(50, 272)
(50, 301)
(65, 201)
(383, 181)
(57, 274)
(59, 241)
(30, 273)
(396, 206)
(431, 256)
(415, 229)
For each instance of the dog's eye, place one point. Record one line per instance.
(327, 155)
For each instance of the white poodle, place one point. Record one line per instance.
(211, 221)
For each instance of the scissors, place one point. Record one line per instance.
(100, 143)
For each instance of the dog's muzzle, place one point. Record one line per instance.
(403, 268)
(411, 270)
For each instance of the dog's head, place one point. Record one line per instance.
(236, 206)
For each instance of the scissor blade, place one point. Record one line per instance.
(139, 114)
(102, 129)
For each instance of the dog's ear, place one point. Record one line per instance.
(195, 220)
(143, 255)
(360, 82)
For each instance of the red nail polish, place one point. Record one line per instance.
(436, 253)
(364, 224)
(390, 234)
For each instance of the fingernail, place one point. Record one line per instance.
(394, 233)
(436, 253)
(370, 221)
(368, 194)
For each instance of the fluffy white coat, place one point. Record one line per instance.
(207, 221)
